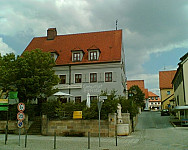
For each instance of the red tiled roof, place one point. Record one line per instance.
(151, 94)
(140, 84)
(165, 79)
(108, 42)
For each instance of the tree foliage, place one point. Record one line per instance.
(31, 74)
(136, 95)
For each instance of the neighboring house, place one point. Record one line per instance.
(140, 84)
(86, 62)
(154, 101)
(166, 89)
(180, 84)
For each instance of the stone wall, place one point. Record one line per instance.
(63, 127)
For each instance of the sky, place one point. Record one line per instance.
(155, 32)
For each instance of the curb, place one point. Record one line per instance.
(173, 124)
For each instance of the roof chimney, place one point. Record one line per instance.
(51, 33)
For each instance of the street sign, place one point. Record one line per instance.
(20, 124)
(102, 97)
(4, 108)
(21, 107)
(3, 101)
(20, 116)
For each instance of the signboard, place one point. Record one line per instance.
(102, 97)
(4, 108)
(21, 107)
(3, 104)
(20, 124)
(3, 101)
(20, 116)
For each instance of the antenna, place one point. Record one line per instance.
(116, 23)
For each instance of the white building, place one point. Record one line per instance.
(86, 62)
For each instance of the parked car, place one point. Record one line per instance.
(165, 112)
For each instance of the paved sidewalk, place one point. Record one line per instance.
(38, 142)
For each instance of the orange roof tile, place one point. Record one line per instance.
(140, 84)
(108, 42)
(151, 94)
(165, 79)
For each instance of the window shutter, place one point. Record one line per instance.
(87, 77)
(101, 77)
(114, 76)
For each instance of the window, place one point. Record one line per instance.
(151, 103)
(78, 99)
(76, 56)
(78, 78)
(93, 55)
(62, 79)
(152, 98)
(159, 103)
(156, 98)
(168, 92)
(108, 76)
(63, 100)
(93, 77)
(93, 98)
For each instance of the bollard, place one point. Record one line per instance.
(19, 135)
(116, 137)
(5, 136)
(88, 140)
(54, 140)
(26, 139)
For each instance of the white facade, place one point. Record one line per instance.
(87, 86)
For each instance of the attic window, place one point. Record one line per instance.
(77, 55)
(93, 54)
(54, 55)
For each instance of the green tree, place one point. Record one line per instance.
(35, 75)
(31, 74)
(7, 73)
(136, 95)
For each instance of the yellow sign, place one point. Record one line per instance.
(77, 115)
(4, 101)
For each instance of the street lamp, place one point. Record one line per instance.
(131, 94)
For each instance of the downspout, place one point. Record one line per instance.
(69, 80)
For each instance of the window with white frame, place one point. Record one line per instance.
(76, 56)
(62, 79)
(93, 77)
(93, 55)
(108, 76)
(78, 99)
(78, 78)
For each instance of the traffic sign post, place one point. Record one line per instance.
(20, 124)
(21, 107)
(100, 102)
(20, 116)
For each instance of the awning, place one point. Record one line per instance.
(180, 108)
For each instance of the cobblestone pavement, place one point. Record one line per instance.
(153, 132)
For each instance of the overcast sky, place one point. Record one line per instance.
(155, 31)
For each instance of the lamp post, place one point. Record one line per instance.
(131, 94)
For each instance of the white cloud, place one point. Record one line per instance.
(4, 48)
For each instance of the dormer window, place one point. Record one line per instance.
(77, 55)
(93, 53)
(54, 55)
